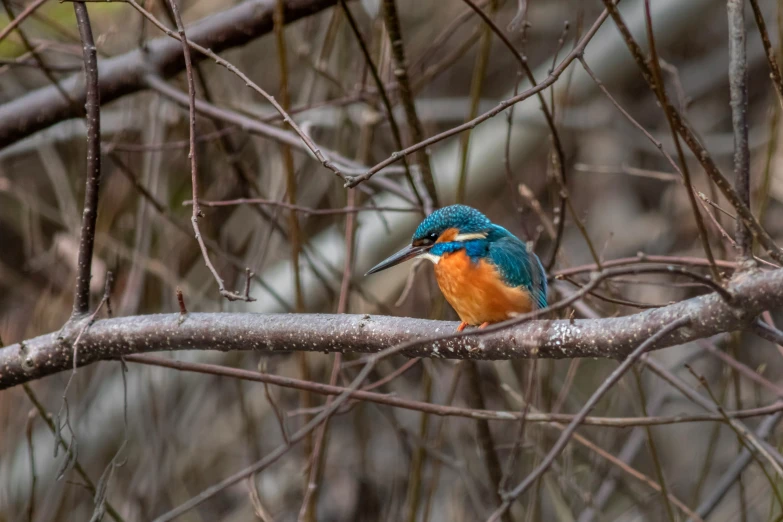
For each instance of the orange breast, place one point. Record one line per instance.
(476, 290)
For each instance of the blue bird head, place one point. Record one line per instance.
(463, 223)
(460, 227)
(466, 220)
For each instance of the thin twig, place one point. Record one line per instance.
(519, 438)
(318, 456)
(660, 91)
(384, 96)
(628, 470)
(559, 154)
(417, 463)
(231, 150)
(186, 229)
(28, 432)
(181, 300)
(444, 410)
(394, 30)
(562, 441)
(297, 437)
(231, 296)
(763, 191)
(548, 81)
(768, 332)
(653, 448)
(751, 445)
(294, 232)
(81, 300)
(738, 90)
(433, 71)
(439, 42)
(298, 208)
(484, 434)
(179, 35)
(746, 371)
(771, 455)
(701, 154)
(729, 477)
(436, 465)
(47, 418)
(255, 126)
(272, 403)
(476, 84)
(33, 52)
(774, 69)
(18, 19)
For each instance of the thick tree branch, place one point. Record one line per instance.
(614, 337)
(125, 74)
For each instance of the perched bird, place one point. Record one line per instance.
(486, 274)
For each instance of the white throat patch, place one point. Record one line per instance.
(435, 259)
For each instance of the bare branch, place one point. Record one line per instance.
(394, 30)
(47, 418)
(690, 139)
(231, 67)
(254, 126)
(613, 337)
(125, 74)
(30, 9)
(659, 88)
(732, 473)
(81, 299)
(547, 82)
(774, 68)
(562, 441)
(738, 89)
(384, 96)
(231, 296)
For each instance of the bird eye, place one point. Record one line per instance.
(427, 240)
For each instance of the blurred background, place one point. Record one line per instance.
(185, 432)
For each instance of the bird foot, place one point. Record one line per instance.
(464, 325)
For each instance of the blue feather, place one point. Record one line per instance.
(476, 248)
(462, 217)
(517, 265)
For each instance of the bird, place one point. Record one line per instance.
(485, 272)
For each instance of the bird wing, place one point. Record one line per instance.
(519, 267)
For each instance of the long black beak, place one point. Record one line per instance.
(406, 253)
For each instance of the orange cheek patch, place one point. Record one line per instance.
(448, 235)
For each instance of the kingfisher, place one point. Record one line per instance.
(486, 273)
